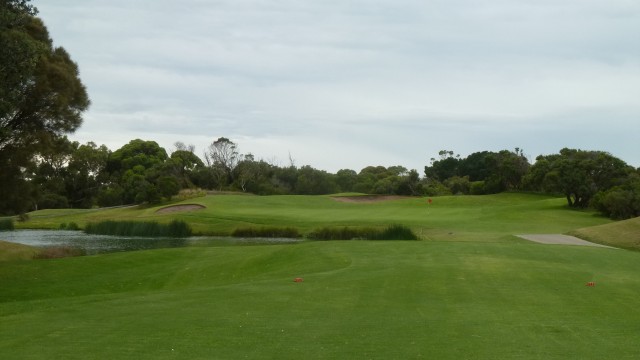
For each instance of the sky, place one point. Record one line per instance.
(345, 84)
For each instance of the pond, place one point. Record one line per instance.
(96, 244)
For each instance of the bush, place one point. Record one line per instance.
(620, 202)
(392, 232)
(6, 224)
(69, 226)
(397, 232)
(175, 228)
(53, 201)
(477, 188)
(266, 232)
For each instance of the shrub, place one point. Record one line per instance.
(69, 226)
(392, 232)
(266, 232)
(397, 232)
(175, 228)
(477, 188)
(6, 224)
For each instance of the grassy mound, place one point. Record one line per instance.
(623, 234)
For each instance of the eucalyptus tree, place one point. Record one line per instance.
(41, 98)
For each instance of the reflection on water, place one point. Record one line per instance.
(95, 244)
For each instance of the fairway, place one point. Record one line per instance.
(470, 289)
(358, 300)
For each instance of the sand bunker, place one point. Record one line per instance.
(176, 208)
(367, 198)
(558, 239)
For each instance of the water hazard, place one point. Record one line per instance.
(96, 244)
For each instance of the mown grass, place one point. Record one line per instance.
(446, 218)
(175, 228)
(359, 300)
(470, 290)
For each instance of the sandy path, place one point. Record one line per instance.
(558, 239)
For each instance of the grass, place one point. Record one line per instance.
(175, 228)
(469, 290)
(485, 217)
(359, 300)
(12, 252)
(623, 234)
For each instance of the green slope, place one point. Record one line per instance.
(622, 234)
(451, 217)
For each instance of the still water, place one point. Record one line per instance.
(96, 244)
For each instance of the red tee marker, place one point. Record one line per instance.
(297, 280)
(591, 284)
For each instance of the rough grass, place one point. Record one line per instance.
(623, 234)
(12, 252)
(58, 252)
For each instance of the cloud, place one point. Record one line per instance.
(354, 83)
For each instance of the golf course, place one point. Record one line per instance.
(468, 288)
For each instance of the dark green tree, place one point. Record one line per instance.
(622, 201)
(346, 179)
(134, 171)
(41, 99)
(444, 168)
(182, 164)
(577, 174)
(223, 155)
(86, 175)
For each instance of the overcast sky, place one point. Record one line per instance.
(350, 83)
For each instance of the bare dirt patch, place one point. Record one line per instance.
(559, 239)
(177, 208)
(368, 198)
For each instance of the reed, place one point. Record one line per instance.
(266, 232)
(175, 228)
(391, 232)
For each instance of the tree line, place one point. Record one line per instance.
(42, 99)
(73, 175)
